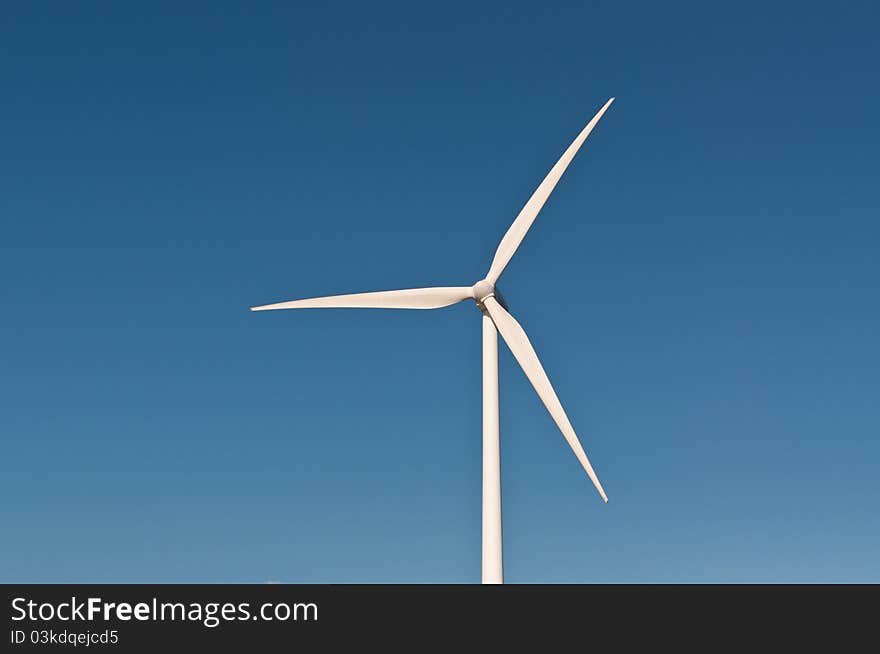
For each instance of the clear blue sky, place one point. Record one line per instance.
(702, 289)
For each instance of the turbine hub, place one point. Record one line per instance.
(482, 290)
(485, 289)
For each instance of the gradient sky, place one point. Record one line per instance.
(702, 289)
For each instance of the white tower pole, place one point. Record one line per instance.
(493, 569)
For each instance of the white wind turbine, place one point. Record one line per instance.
(495, 319)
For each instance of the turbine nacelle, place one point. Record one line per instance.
(484, 289)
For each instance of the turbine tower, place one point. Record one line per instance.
(496, 318)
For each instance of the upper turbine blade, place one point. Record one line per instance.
(517, 231)
(411, 298)
(516, 339)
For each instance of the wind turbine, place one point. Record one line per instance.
(496, 318)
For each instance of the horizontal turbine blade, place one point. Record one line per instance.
(517, 231)
(411, 298)
(516, 339)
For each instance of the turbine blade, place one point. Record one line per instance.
(516, 339)
(411, 298)
(517, 231)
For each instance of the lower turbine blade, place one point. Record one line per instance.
(411, 298)
(515, 337)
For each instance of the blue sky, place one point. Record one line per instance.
(701, 288)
